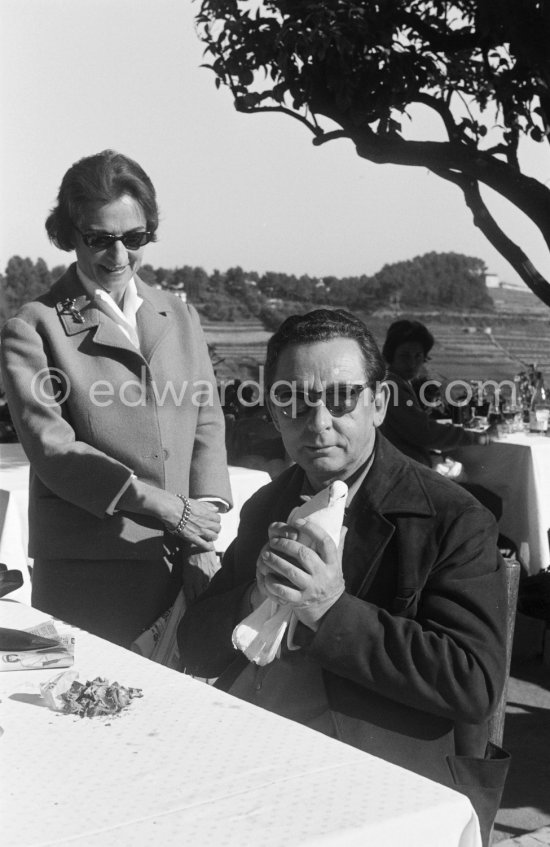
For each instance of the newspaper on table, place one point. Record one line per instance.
(59, 656)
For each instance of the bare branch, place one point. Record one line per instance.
(497, 237)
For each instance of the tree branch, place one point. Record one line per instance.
(497, 237)
(314, 128)
(523, 191)
(442, 109)
(329, 136)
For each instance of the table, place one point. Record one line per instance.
(14, 527)
(244, 482)
(190, 765)
(517, 467)
(14, 498)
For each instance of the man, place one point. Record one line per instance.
(402, 629)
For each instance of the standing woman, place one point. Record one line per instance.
(113, 397)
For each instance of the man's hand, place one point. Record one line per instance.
(300, 567)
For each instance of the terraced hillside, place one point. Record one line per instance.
(489, 346)
(470, 353)
(239, 346)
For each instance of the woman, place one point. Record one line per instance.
(407, 425)
(114, 401)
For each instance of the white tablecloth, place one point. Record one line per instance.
(517, 467)
(14, 499)
(189, 765)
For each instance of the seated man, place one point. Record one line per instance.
(401, 629)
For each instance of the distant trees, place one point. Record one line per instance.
(441, 280)
(23, 280)
(364, 71)
(436, 280)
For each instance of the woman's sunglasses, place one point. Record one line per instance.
(97, 241)
(339, 400)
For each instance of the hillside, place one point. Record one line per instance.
(482, 345)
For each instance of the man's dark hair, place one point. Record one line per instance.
(325, 325)
(99, 179)
(403, 332)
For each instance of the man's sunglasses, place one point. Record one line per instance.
(339, 400)
(97, 241)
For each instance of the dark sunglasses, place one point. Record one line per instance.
(97, 241)
(339, 400)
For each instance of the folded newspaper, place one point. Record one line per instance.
(259, 635)
(41, 646)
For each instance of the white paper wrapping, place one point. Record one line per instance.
(260, 634)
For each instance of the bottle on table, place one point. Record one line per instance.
(539, 410)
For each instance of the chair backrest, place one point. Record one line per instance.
(512, 571)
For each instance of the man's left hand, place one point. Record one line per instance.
(301, 568)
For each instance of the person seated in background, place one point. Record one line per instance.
(410, 427)
(401, 628)
(407, 425)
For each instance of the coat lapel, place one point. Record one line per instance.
(79, 314)
(153, 321)
(75, 310)
(392, 487)
(364, 546)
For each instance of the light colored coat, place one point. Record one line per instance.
(90, 410)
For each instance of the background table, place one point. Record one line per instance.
(517, 468)
(190, 765)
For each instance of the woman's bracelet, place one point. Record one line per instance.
(184, 515)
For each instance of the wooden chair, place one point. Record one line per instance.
(496, 723)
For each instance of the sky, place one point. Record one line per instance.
(79, 76)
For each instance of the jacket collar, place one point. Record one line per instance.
(393, 484)
(78, 313)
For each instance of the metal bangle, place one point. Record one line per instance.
(184, 515)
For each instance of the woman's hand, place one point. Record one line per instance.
(202, 526)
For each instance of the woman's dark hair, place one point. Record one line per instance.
(325, 325)
(402, 332)
(99, 179)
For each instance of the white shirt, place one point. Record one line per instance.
(125, 318)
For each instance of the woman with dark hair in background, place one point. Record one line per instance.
(407, 425)
(114, 400)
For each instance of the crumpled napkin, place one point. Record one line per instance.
(260, 634)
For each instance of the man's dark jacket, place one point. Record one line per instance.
(413, 653)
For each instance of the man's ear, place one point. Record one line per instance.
(381, 399)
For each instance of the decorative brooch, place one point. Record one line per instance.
(69, 308)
